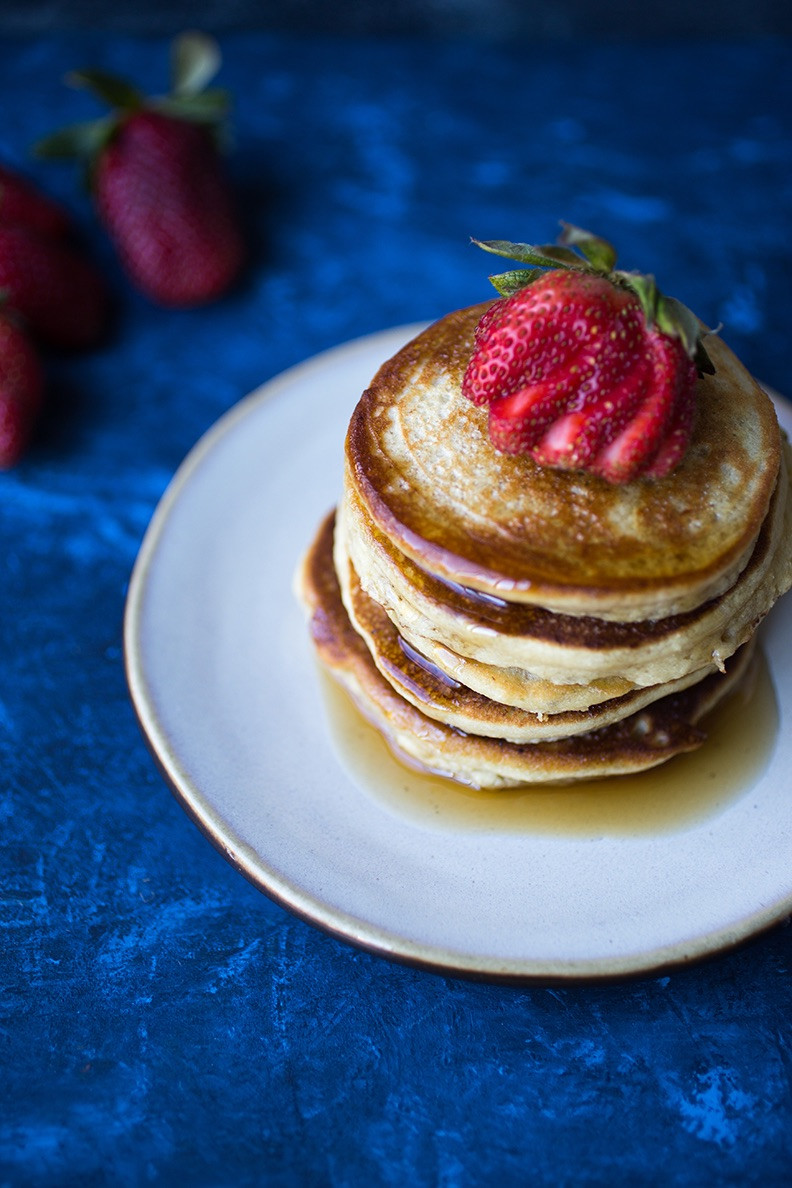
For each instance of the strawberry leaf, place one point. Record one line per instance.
(507, 283)
(599, 253)
(678, 321)
(704, 364)
(115, 91)
(210, 107)
(547, 256)
(83, 140)
(563, 257)
(646, 290)
(195, 60)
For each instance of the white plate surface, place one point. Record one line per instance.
(224, 683)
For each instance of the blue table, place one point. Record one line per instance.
(163, 1021)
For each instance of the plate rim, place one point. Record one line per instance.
(345, 926)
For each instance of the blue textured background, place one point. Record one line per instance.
(162, 1021)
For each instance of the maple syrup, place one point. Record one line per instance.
(677, 794)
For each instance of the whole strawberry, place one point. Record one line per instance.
(585, 367)
(21, 390)
(60, 295)
(157, 181)
(168, 208)
(22, 203)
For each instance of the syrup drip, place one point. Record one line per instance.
(476, 596)
(678, 794)
(427, 665)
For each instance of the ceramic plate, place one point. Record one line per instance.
(224, 682)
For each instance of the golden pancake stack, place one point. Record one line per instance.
(504, 623)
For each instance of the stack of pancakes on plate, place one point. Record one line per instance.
(504, 623)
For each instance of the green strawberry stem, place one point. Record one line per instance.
(581, 251)
(116, 92)
(195, 60)
(599, 253)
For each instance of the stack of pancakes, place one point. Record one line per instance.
(503, 623)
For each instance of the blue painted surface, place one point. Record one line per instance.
(162, 1021)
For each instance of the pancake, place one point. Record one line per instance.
(420, 462)
(431, 690)
(500, 648)
(515, 686)
(635, 743)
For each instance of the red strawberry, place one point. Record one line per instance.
(584, 367)
(157, 179)
(163, 198)
(54, 287)
(21, 389)
(21, 202)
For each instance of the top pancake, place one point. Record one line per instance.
(420, 459)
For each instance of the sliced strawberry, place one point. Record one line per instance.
(633, 449)
(584, 367)
(675, 443)
(518, 421)
(574, 440)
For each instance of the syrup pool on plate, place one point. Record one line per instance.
(687, 789)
